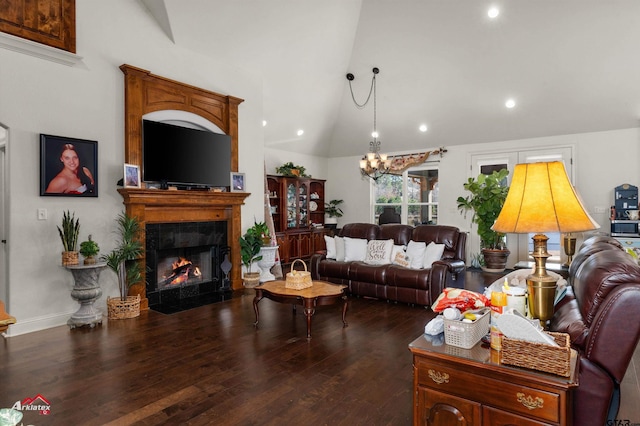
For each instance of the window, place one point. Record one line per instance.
(413, 195)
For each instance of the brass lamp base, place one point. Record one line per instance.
(540, 285)
(569, 245)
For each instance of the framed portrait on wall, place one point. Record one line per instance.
(68, 166)
(131, 176)
(237, 182)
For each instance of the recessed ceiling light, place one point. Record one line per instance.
(493, 12)
(510, 103)
(264, 123)
(300, 132)
(423, 127)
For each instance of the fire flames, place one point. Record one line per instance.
(181, 270)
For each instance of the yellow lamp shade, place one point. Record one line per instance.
(542, 199)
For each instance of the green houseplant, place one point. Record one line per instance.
(69, 237)
(250, 245)
(333, 211)
(123, 258)
(487, 197)
(289, 169)
(89, 249)
(261, 230)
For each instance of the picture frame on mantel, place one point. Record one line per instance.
(237, 182)
(131, 176)
(68, 166)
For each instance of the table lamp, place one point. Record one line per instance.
(542, 199)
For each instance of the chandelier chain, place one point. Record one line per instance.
(360, 106)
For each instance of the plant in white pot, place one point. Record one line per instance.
(488, 194)
(332, 212)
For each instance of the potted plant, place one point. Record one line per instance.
(261, 231)
(69, 237)
(488, 195)
(89, 249)
(333, 212)
(123, 261)
(289, 169)
(250, 245)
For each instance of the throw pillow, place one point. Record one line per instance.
(354, 249)
(397, 249)
(434, 252)
(415, 251)
(379, 252)
(331, 247)
(402, 259)
(339, 248)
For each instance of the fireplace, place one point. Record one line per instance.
(185, 265)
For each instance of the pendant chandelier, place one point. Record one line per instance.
(373, 164)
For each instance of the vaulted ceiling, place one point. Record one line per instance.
(572, 66)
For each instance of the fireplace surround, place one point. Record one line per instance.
(147, 93)
(184, 264)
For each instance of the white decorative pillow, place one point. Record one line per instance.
(434, 252)
(379, 252)
(397, 249)
(331, 247)
(339, 248)
(415, 251)
(401, 259)
(354, 249)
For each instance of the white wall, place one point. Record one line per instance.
(314, 166)
(87, 101)
(602, 161)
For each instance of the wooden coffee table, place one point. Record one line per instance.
(320, 294)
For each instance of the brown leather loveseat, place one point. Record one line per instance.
(601, 313)
(394, 282)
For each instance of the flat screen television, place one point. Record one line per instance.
(185, 157)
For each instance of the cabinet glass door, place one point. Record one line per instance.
(291, 205)
(303, 204)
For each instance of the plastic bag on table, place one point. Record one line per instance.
(459, 298)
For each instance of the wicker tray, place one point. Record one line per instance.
(297, 280)
(466, 335)
(538, 356)
(123, 309)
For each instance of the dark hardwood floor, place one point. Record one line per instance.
(209, 365)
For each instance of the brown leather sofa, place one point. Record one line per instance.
(394, 282)
(601, 313)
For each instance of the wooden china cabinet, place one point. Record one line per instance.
(297, 207)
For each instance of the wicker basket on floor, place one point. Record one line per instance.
(298, 280)
(123, 309)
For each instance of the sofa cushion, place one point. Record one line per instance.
(355, 249)
(401, 234)
(401, 259)
(379, 252)
(432, 253)
(339, 248)
(330, 243)
(415, 252)
(440, 234)
(609, 269)
(367, 231)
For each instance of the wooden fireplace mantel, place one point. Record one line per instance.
(168, 206)
(146, 93)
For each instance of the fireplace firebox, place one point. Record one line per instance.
(183, 263)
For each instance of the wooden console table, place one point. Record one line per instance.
(455, 386)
